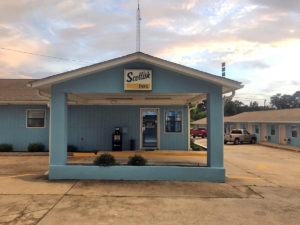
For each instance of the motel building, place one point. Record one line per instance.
(147, 98)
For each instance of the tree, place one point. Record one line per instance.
(229, 108)
(284, 101)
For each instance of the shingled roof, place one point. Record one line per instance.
(16, 91)
(268, 116)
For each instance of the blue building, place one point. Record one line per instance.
(147, 97)
(271, 126)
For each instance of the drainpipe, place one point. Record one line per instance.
(229, 97)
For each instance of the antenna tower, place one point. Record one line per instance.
(138, 28)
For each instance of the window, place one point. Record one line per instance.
(256, 129)
(273, 130)
(173, 121)
(236, 132)
(35, 118)
(294, 131)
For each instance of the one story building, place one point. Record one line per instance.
(146, 97)
(274, 126)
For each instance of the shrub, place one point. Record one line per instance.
(105, 159)
(194, 146)
(137, 160)
(6, 147)
(72, 148)
(36, 147)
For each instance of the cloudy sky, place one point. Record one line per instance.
(258, 39)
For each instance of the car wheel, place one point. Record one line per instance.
(225, 142)
(253, 141)
(236, 141)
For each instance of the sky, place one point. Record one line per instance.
(258, 39)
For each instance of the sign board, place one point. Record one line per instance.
(137, 79)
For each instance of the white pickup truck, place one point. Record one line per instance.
(238, 136)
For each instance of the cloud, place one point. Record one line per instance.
(254, 64)
(259, 40)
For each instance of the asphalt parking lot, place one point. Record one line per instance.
(262, 187)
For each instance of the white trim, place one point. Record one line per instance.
(292, 131)
(171, 109)
(141, 128)
(227, 84)
(26, 119)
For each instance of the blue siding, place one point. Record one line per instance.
(13, 127)
(274, 138)
(112, 81)
(91, 127)
(288, 134)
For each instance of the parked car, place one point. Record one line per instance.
(199, 132)
(238, 136)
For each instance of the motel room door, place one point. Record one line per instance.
(282, 134)
(264, 132)
(149, 129)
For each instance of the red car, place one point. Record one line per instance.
(199, 132)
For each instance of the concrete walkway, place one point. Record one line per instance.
(262, 187)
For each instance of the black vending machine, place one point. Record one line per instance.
(117, 139)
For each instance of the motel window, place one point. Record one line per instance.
(173, 121)
(273, 130)
(294, 131)
(256, 129)
(35, 118)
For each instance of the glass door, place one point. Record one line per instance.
(149, 128)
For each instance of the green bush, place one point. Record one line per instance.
(105, 159)
(194, 146)
(72, 148)
(6, 147)
(137, 160)
(36, 147)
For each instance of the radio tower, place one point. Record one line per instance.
(138, 28)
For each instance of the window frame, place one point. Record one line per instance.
(256, 126)
(26, 119)
(274, 130)
(165, 117)
(294, 126)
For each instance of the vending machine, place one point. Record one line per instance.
(117, 139)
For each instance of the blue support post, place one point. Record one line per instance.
(58, 132)
(215, 131)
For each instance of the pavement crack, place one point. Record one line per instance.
(58, 201)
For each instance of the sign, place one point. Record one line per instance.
(137, 79)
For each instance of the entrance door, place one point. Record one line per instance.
(282, 134)
(264, 132)
(149, 129)
(250, 128)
